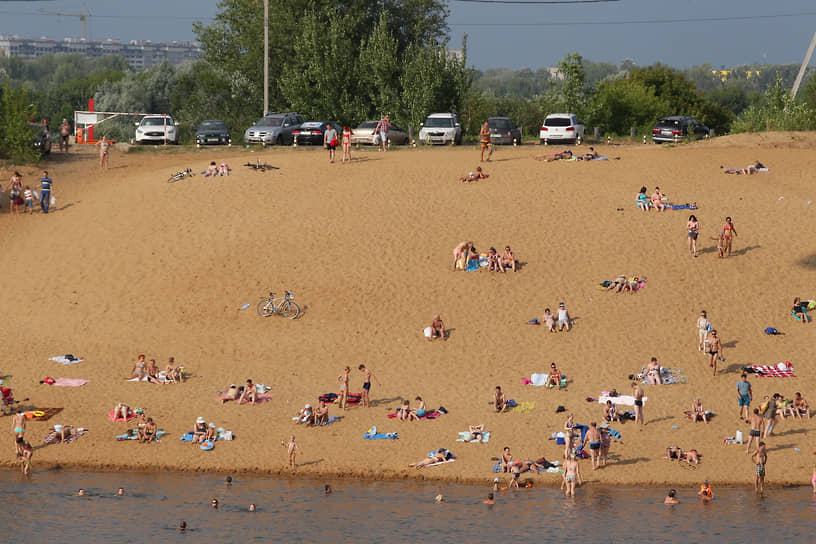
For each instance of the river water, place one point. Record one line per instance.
(44, 508)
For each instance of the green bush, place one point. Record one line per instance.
(778, 110)
(16, 132)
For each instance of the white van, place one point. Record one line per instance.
(561, 127)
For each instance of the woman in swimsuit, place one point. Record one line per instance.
(460, 252)
(692, 231)
(347, 132)
(657, 200)
(643, 200)
(653, 372)
(569, 435)
(343, 379)
(729, 232)
(554, 379)
(697, 412)
(703, 328)
(799, 310)
(138, 369)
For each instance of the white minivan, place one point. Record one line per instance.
(561, 127)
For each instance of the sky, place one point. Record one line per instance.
(511, 34)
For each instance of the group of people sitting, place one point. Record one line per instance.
(406, 413)
(796, 407)
(149, 371)
(217, 170)
(202, 432)
(246, 394)
(312, 416)
(656, 201)
(467, 257)
(145, 426)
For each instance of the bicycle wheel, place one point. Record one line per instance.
(266, 308)
(289, 309)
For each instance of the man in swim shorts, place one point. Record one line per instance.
(637, 392)
(744, 396)
(572, 475)
(760, 457)
(593, 438)
(484, 141)
(367, 375)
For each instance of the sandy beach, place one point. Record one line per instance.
(130, 264)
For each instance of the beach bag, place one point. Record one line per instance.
(771, 330)
(738, 437)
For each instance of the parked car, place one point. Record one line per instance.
(677, 127)
(274, 128)
(311, 132)
(156, 129)
(40, 138)
(213, 132)
(561, 127)
(441, 128)
(364, 134)
(503, 131)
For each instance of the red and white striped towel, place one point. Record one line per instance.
(780, 370)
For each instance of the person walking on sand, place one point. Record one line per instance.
(330, 141)
(714, 350)
(593, 439)
(382, 129)
(344, 385)
(572, 475)
(703, 328)
(760, 458)
(692, 231)
(104, 148)
(770, 415)
(729, 232)
(744, 396)
(64, 131)
(347, 133)
(292, 449)
(45, 191)
(367, 375)
(637, 392)
(484, 140)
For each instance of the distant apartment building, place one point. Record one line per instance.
(138, 53)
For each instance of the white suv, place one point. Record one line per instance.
(561, 127)
(157, 129)
(441, 128)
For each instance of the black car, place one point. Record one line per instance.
(213, 132)
(676, 128)
(40, 138)
(503, 131)
(311, 132)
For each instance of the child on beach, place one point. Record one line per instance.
(224, 169)
(212, 170)
(28, 195)
(474, 176)
(25, 456)
(643, 200)
(291, 448)
(367, 375)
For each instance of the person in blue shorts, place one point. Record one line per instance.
(744, 396)
(45, 191)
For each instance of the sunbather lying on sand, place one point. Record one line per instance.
(748, 170)
(549, 157)
(232, 393)
(592, 154)
(438, 457)
(475, 432)
(474, 176)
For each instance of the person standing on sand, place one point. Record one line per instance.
(104, 149)
(344, 385)
(25, 456)
(714, 350)
(757, 424)
(703, 328)
(460, 252)
(382, 129)
(330, 141)
(346, 142)
(729, 232)
(18, 424)
(637, 392)
(744, 396)
(45, 191)
(770, 415)
(692, 231)
(593, 438)
(292, 449)
(572, 475)
(485, 142)
(367, 375)
(760, 457)
(606, 443)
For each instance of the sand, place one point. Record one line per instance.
(130, 264)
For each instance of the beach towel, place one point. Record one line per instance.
(48, 413)
(69, 382)
(53, 438)
(188, 436)
(331, 420)
(66, 359)
(539, 379)
(132, 434)
(441, 462)
(601, 158)
(780, 370)
(381, 436)
(804, 311)
(472, 265)
(132, 415)
(521, 407)
(328, 397)
(496, 467)
(464, 435)
(682, 206)
(626, 400)
(667, 376)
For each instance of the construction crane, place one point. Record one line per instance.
(83, 17)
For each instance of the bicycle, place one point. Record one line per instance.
(181, 175)
(281, 306)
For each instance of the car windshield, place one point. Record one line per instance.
(557, 122)
(156, 121)
(269, 122)
(368, 124)
(439, 122)
(213, 125)
(499, 124)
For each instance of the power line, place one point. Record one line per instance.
(644, 21)
(534, 2)
(94, 16)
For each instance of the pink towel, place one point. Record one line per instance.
(110, 417)
(70, 382)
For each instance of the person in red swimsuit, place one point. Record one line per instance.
(729, 232)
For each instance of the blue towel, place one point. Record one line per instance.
(497, 467)
(381, 436)
(681, 207)
(472, 265)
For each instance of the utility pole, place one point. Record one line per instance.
(804, 66)
(266, 57)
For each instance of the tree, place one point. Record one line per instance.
(573, 90)
(379, 69)
(16, 132)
